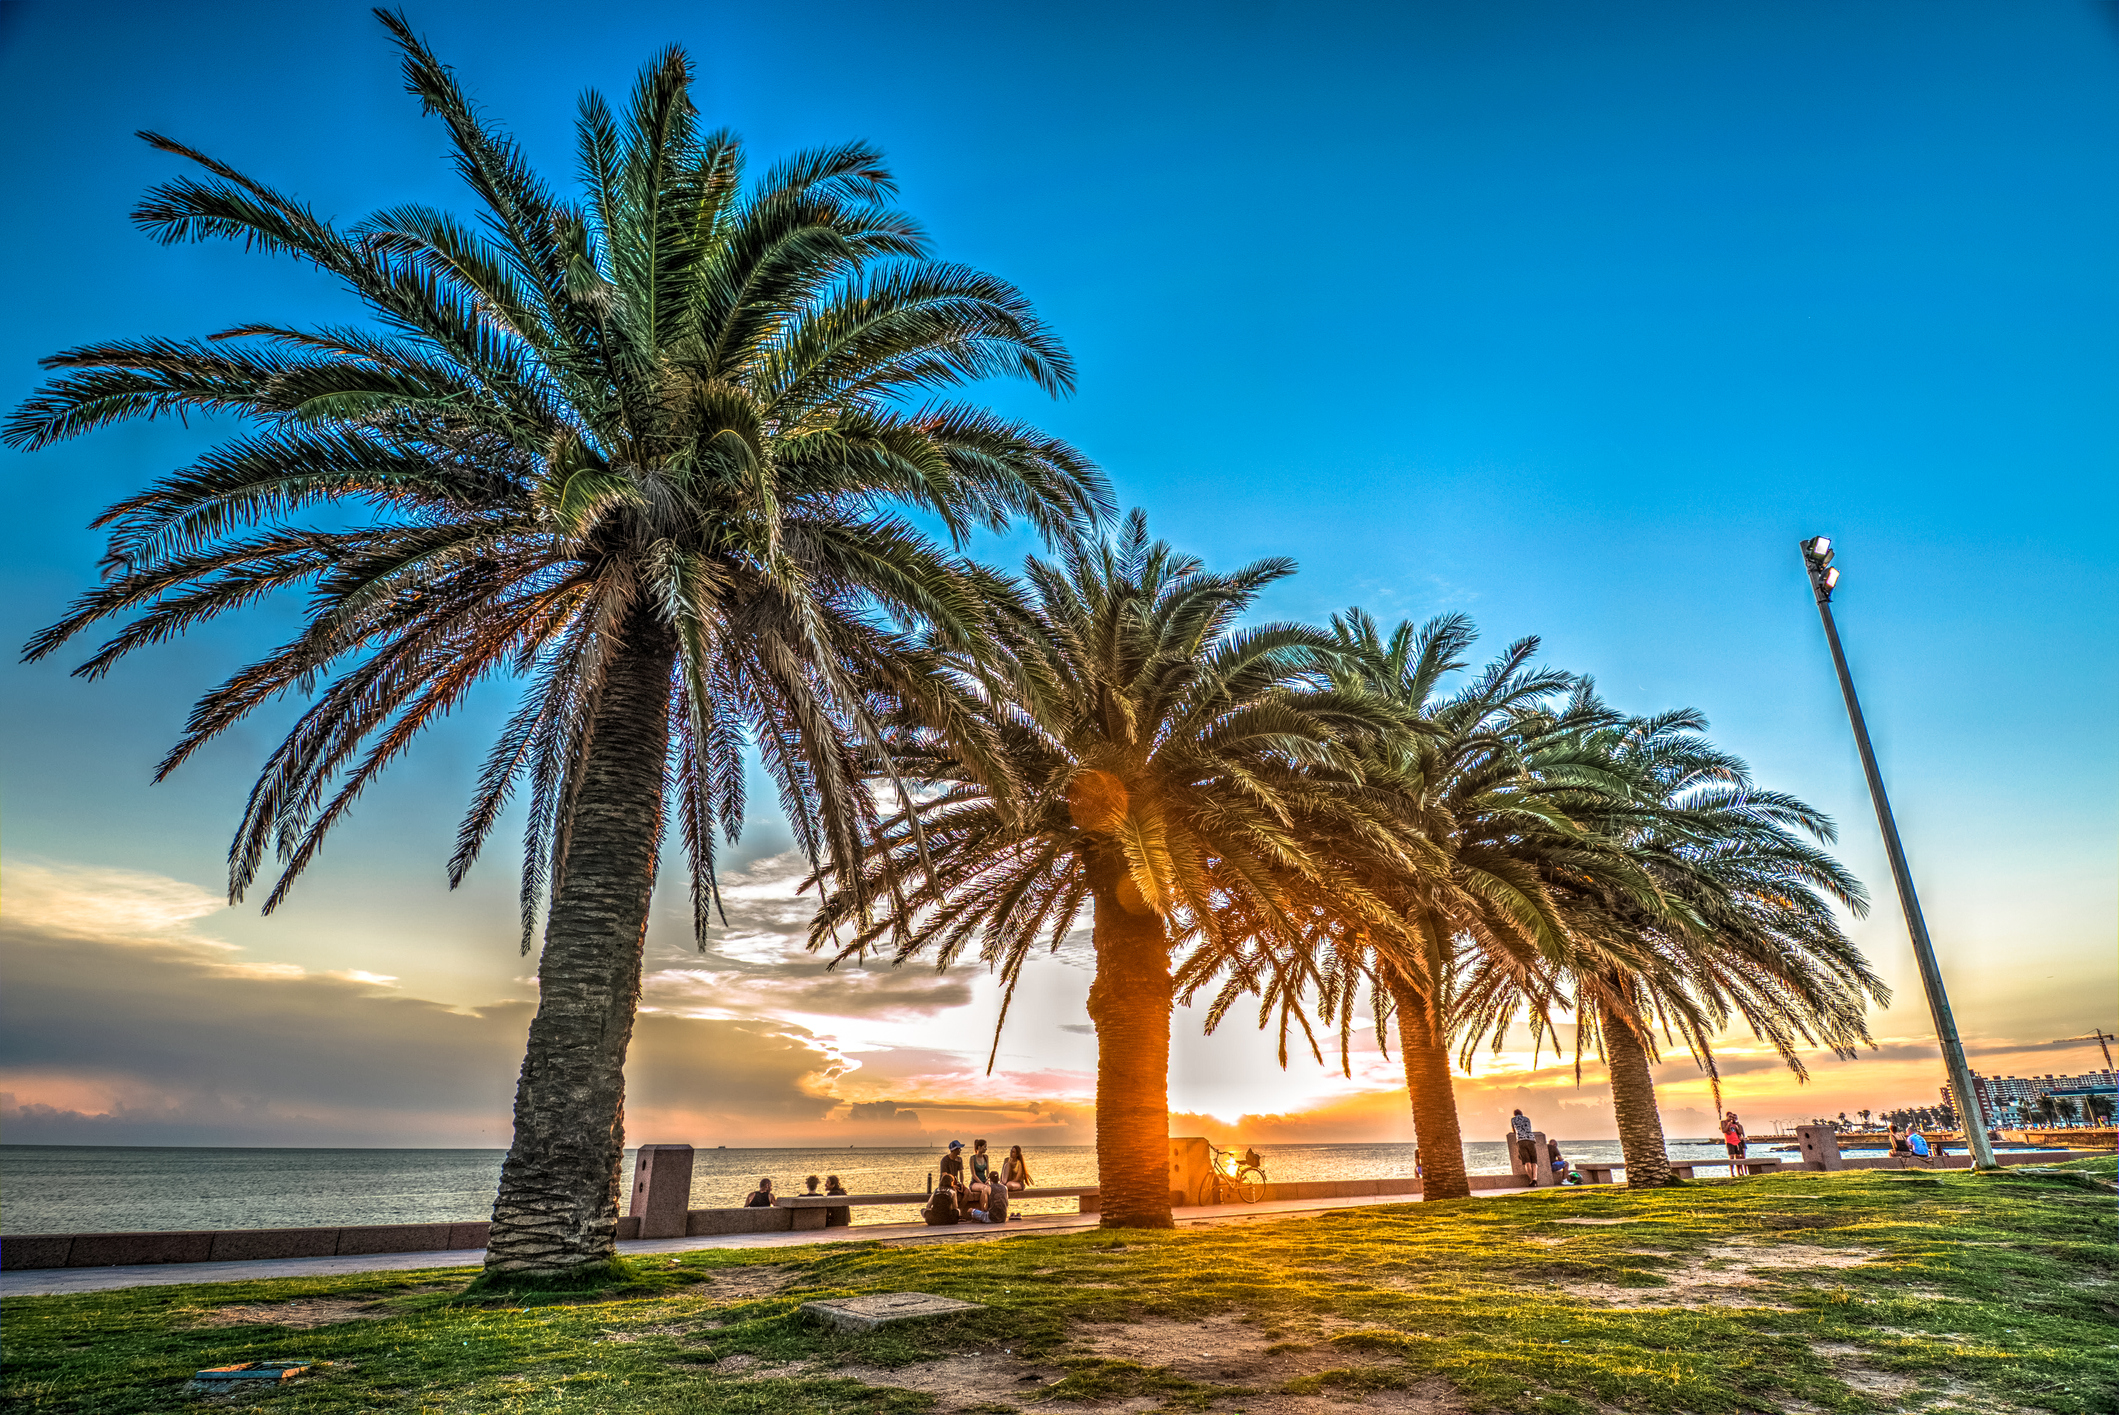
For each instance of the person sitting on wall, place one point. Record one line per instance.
(1900, 1150)
(836, 1217)
(812, 1183)
(945, 1204)
(1562, 1171)
(1015, 1170)
(761, 1197)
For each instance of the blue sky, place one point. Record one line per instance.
(1572, 318)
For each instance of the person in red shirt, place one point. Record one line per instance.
(1733, 1135)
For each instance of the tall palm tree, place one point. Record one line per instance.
(640, 452)
(1475, 791)
(1134, 752)
(1740, 924)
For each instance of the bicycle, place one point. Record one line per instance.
(1236, 1177)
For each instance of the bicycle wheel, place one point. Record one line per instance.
(1250, 1189)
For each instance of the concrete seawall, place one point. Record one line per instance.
(94, 1250)
(227, 1245)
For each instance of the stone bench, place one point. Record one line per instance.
(1603, 1173)
(1086, 1196)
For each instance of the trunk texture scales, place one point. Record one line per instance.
(1434, 1096)
(1131, 1003)
(1633, 1104)
(557, 1211)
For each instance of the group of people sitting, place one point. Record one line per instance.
(971, 1189)
(762, 1198)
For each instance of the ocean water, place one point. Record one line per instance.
(110, 1189)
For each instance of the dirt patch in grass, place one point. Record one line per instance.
(1113, 1368)
(746, 1284)
(301, 1313)
(1721, 1276)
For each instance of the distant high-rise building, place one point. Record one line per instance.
(1999, 1096)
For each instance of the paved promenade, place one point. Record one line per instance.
(38, 1282)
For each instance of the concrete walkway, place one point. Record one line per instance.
(44, 1282)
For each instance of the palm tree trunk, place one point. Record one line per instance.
(1434, 1096)
(1130, 1004)
(557, 1212)
(1633, 1104)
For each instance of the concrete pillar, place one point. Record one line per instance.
(662, 1189)
(1191, 1169)
(1820, 1147)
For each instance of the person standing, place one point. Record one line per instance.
(1526, 1147)
(1733, 1135)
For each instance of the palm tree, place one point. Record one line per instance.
(1133, 752)
(1741, 925)
(2098, 1108)
(1471, 795)
(1864, 1118)
(640, 452)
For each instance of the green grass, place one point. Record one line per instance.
(1972, 1292)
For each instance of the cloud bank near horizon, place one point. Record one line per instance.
(125, 1021)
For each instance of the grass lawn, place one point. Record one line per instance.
(1864, 1291)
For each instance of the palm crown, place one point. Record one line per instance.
(1741, 925)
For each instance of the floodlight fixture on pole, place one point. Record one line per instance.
(1824, 577)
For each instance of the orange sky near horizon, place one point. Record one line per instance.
(136, 1021)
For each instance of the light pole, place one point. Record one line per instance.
(1817, 560)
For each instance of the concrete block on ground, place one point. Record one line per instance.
(394, 1238)
(476, 1235)
(662, 1189)
(628, 1227)
(237, 1245)
(108, 1250)
(1820, 1147)
(880, 1309)
(35, 1250)
(806, 1218)
(1089, 1203)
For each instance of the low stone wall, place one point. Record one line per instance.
(235, 1245)
(232, 1245)
(97, 1250)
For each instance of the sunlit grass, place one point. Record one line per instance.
(1906, 1291)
